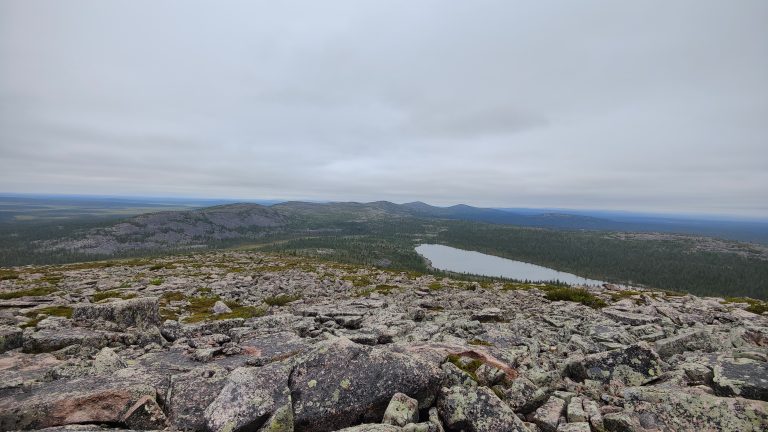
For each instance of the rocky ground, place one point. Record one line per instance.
(245, 342)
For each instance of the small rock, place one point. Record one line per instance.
(220, 308)
(107, 361)
(401, 410)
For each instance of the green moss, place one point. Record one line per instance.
(157, 281)
(99, 296)
(480, 342)
(162, 266)
(358, 281)
(59, 311)
(754, 306)
(8, 275)
(281, 300)
(170, 296)
(620, 295)
(38, 291)
(577, 295)
(381, 289)
(470, 367)
(434, 286)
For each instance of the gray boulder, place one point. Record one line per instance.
(138, 312)
(341, 383)
(95, 399)
(10, 338)
(220, 308)
(476, 410)
(741, 377)
(699, 340)
(253, 399)
(190, 393)
(634, 365)
(547, 417)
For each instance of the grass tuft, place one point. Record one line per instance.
(32, 292)
(281, 300)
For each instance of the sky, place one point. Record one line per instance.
(658, 106)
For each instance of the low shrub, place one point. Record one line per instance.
(577, 295)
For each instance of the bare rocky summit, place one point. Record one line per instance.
(243, 341)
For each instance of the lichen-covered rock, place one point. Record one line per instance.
(190, 393)
(372, 427)
(698, 340)
(741, 377)
(43, 341)
(634, 365)
(401, 410)
(107, 361)
(676, 410)
(342, 383)
(574, 427)
(251, 398)
(547, 417)
(10, 338)
(96, 399)
(138, 312)
(476, 410)
(220, 308)
(524, 396)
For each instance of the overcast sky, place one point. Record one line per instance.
(641, 105)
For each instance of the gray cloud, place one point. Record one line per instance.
(653, 105)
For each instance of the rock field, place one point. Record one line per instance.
(243, 341)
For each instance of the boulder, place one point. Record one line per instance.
(253, 399)
(547, 417)
(401, 410)
(476, 410)
(741, 377)
(341, 383)
(42, 341)
(371, 427)
(634, 365)
(699, 340)
(676, 409)
(138, 312)
(190, 393)
(10, 338)
(95, 399)
(524, 396)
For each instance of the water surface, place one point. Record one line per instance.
(463, 261)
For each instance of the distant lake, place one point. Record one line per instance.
(461, 261)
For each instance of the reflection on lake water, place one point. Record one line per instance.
(461, 261)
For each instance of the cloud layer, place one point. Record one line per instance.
(653, 105)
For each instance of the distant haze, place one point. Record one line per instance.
(658, 106)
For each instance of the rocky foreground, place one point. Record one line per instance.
(249, 342)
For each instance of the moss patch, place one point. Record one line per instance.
(577, 295)
(281, 300)
(8, 275)
(99, 296)
(620, 295)
(38, 291)
(754, 306)
(59, 311)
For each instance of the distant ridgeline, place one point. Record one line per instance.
(384, 234)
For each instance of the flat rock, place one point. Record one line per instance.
(341, 383)
(741, 377)
(699, 340)
(630, 318)
(51, 340)
(634, 365)
(676, 410)
(95, 399)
